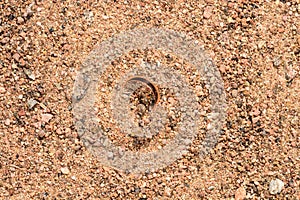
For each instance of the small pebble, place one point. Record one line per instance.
(207, 12)
(16, 57)
(2, 90)
(261, 44)
(5, 40)
(290, 73)
(20, 20)
(7, 122)
(277, 62)
(65, 170)
(31, 103)
(29, 74)
(21, 113)
(46, 117)
(240, 193)
(234, 93)
(276, 186)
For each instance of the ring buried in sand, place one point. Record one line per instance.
(150, 85)
(86, 85)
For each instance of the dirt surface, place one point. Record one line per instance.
(254, 44)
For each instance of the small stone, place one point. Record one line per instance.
(59, 131)
(240, 193)
(41, 134)
(281, 30)
(65, 170)
(5, 40)
(168, 191)
(37, 125)
(20, 20)
(207, 12)
(244, 22)
(285, 18)
(276, 186)
(261, 44)
(110, 155)
(234, 93)
(21, 113)
(29, 74)
(277, 62)
(7, 122)
(16, 57)
(22, 62)
(31, 103)
(255, 119)
(222, 68)
(2, 90)
(209, 1)
(14, 66)
(290, 73)
(46, 117)
(256, 112)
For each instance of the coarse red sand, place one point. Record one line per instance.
(255, 45)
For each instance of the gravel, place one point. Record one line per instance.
(255, 46)
(276, 186)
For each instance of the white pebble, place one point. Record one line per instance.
(65, 170)
(276, 186)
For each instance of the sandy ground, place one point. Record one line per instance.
(254, 44)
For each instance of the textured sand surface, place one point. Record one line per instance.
(254, 44)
